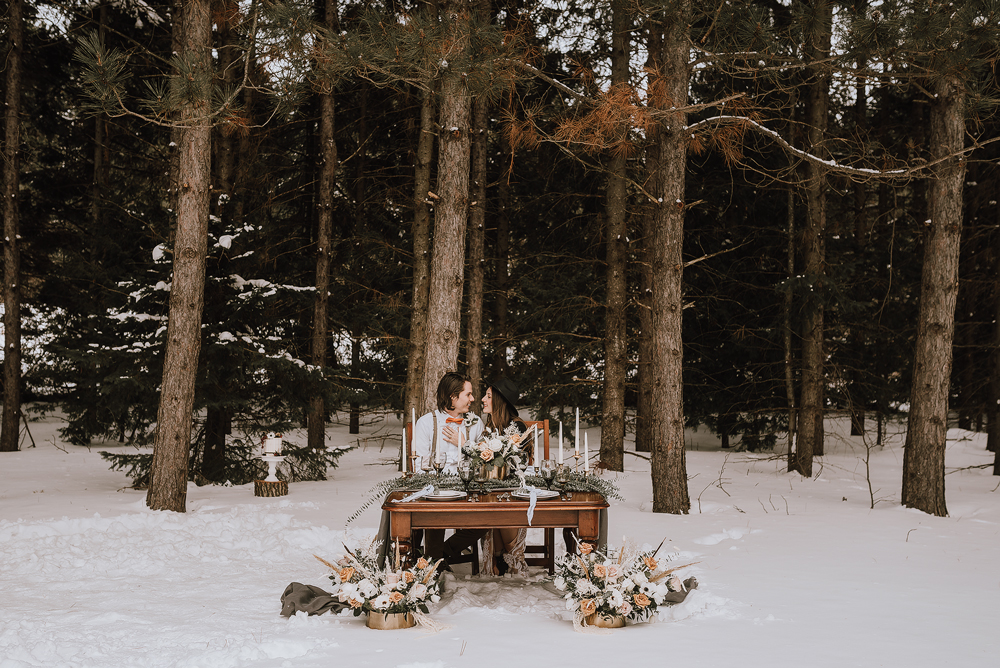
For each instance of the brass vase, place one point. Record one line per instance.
(390, 621)
(603, 621)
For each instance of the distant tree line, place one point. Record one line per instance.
(227, 218)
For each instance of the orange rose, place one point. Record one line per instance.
(650, 563)
(395, 597)
(641, 600)
(586, 548)
(588, 607)
(345, 574)
(355, 603)
(407, 577)
(486, 454)
(515, 439)
(600, 571)
(422, 563)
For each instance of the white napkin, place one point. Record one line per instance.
(418, 494)
(533, 491)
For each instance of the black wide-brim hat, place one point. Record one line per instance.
(508, 391)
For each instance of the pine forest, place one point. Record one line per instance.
(227, 218)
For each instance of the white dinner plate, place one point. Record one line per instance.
(542, 494)
(446, 495)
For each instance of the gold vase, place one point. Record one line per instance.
(390, 621)
(496, 473)
(603, 621)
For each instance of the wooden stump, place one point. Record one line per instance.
(265, 488)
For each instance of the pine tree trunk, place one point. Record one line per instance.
(477, 238)
(615, 339)
(993, 435)
(501, 331)
(415, 400)
(786, 314)
(927, 426)
(168, 479)
(316, 417)
(810, 433)
(444, 307)
(668, 468)
(645, 405)
(10, 429)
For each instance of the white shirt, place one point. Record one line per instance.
(423, 431)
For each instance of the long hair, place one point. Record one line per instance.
(449, 387)
(501, 416)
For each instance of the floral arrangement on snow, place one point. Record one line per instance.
(496, 450)
(359, 582)
(629, 583)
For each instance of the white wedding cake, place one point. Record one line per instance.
(272, 444)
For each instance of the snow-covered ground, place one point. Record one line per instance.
(793, 572)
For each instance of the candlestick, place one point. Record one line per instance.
(402, 452)
(560, 443)
(535, 452)
(586, 452)
(576, 434)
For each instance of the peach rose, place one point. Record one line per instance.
(641, 600)
(650, 563)
(345, 574)
(600, 571)
(355, 603)
(586, 548)
(486, 454)
(422, 563)
(588, 607)
(407, 577)
(395, 597)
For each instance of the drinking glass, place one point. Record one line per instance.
(548, 470)
(562, 476)
(465, 474)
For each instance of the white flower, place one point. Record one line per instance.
(435, 598)
(639, 578)
(560, 583)
(418, 592)
(615, 598)
(348, 590)
(570, 603)
(627, 584)
(648, 588)
(624, 609)
(367, 588)
(674, 584)
(583, 586)
(614, 572)
(381, 602)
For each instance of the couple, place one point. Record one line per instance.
(441, 431)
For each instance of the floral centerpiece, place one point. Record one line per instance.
(359, 582)
(499, 451)
(627, 584)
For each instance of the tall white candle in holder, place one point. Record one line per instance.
(560, 442)
(586, 452)
(576, 434)
(402, 451)
(535, 454)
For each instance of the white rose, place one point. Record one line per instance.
(639, 578)
(560, 584)
(418, 592)
(348, 590)
(627, 584)
(614, 572)
(624, 609)
(435, 598)
(381, 602)
(367, 588)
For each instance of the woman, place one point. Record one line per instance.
(503, 549)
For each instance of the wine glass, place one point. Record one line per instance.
(548, 470)
(562, 476)
(440, 459)
(465, 474)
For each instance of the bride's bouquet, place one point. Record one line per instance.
(499, 451)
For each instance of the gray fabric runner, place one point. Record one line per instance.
(307, 598)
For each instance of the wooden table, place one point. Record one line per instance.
(581, 514)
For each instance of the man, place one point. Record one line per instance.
(441, 431)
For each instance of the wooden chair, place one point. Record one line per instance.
(547, 548)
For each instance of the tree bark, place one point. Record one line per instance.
(316, 417)
(10, 429)
(417, 356)
(501, 329)
(477, 237)
(668, 467)
(168, 479)
(927, 426)
(786, 314)
(615, 338)
(810, 433)
(444, 307)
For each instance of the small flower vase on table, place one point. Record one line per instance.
(604, 621)
(271, 453)
(390, 621)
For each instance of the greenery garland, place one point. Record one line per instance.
(577, 483)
